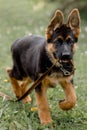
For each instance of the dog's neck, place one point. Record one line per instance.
(45, 61)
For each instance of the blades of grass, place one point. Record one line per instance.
(19, 126)
(5, 96)
(1, 111)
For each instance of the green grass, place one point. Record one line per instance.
(23, 17)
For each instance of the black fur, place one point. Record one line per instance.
(29, 57)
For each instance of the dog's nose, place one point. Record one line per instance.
(66, 55)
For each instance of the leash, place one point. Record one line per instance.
(33, 86)
(38, 81)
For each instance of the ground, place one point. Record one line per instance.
(23, 17)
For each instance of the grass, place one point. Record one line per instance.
(23, 17)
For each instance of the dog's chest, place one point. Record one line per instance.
(57, 77)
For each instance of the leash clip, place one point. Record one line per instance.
(65, 72)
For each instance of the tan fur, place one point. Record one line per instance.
(68, 103)
(74, 22)
(56, 22)
(75, 46)
(70, 96)
(20, 88)
(68, 88)
(43, 107)
(50, 49)
(70, 99)
(59, 37)
(68, 37)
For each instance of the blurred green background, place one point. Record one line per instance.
(23, 17)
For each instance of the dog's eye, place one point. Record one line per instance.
(69, 41)
(60, 40)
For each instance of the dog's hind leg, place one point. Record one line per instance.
(43, 107)
(23, 86)
(70, 99)
(19, 89)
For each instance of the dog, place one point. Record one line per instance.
(34, 55)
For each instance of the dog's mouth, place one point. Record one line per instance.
(67, 64)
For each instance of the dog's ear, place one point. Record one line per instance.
(74, 22)
(55, 23)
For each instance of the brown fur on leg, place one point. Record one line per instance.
(24, 85)
(70, 100)
(19, 89)
(43, 107)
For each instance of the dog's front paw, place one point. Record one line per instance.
(66, 105)
(45, 117)
(46, 122)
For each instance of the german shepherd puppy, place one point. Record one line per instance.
(33, 55)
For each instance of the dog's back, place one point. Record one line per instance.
(26, 54)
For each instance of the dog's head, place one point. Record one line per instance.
(62, 38)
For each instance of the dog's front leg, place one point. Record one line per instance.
(70, 99)
(43, 107)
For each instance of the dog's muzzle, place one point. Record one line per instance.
(65, 62)
(67, 66)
